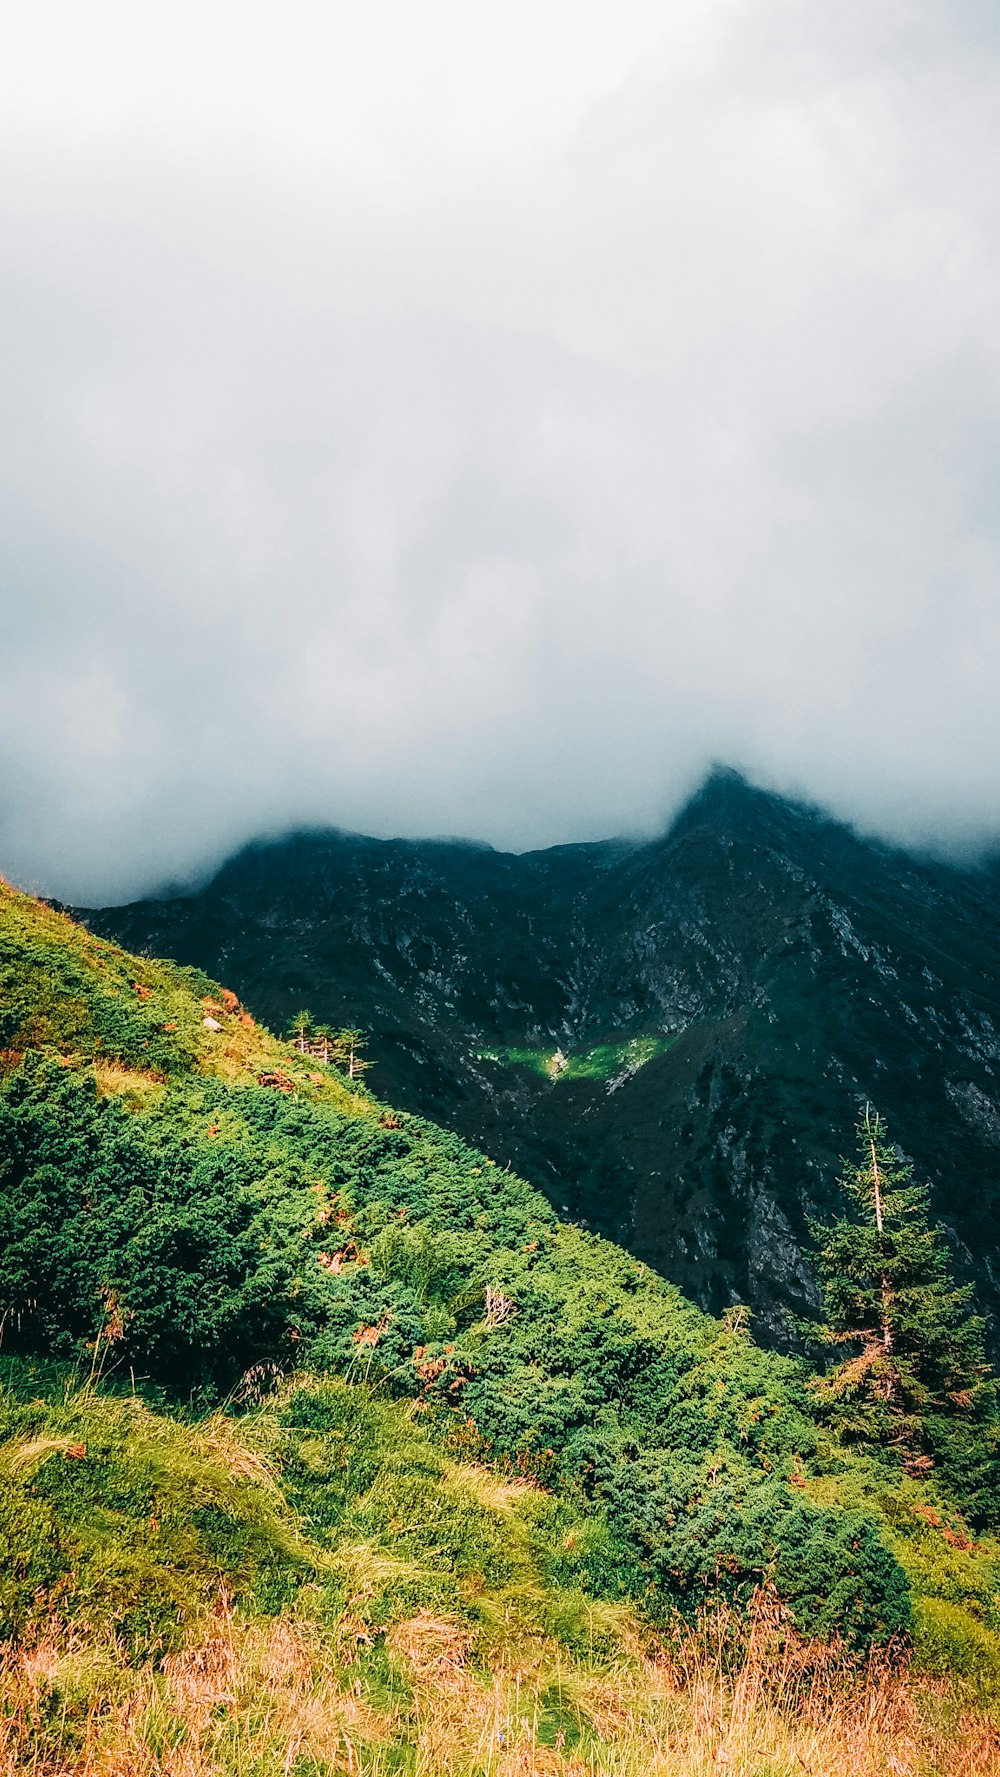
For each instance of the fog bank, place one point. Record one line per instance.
(423, 422)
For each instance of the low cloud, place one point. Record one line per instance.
(443, 431)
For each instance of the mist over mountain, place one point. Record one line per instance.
(672, 1038)
(444, 422)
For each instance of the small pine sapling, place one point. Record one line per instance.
(300, 1029)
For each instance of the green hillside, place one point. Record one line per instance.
(326, 1446)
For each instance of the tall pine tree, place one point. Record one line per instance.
(916, 1362)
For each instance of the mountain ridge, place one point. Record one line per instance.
(784, 968)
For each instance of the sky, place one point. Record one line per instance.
(480, 419)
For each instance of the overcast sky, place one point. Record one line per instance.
(453, 417)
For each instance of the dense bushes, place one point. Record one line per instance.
(715, 1525)
(208, 1225)
(222, 1228)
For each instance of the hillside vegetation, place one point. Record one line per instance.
(325, 1446)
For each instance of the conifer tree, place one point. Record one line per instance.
(300, 1029)
(345, 1052)
(888, 1290)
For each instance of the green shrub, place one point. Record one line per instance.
(692, 1528)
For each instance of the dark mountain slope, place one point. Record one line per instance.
(672, 1039)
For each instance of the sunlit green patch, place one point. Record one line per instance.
(540, 1061)
(605, 1061)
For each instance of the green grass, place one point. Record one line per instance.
(605, 1061)
(122, 1517)
(324, 1513)
(134, 1021)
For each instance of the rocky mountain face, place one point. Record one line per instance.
(672, 1039)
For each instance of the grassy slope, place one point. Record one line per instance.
(408, 1560)
(610, 1063)
(315, 1587)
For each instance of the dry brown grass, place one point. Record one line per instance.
(251, 1699)
(138, 1086)
(496, 1492)
(245, 1697)
(686, 1711)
